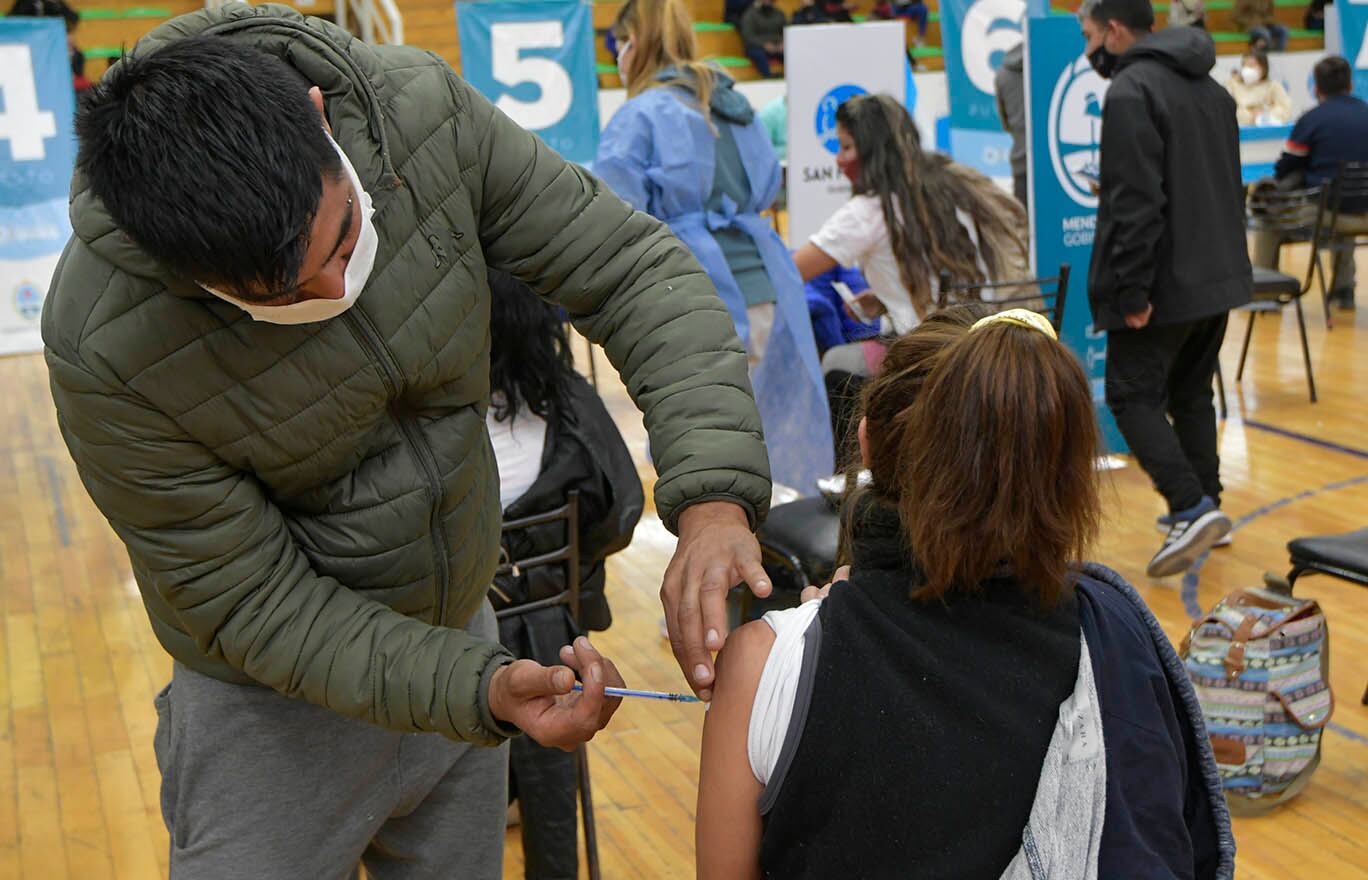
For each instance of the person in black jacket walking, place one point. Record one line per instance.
(1170, 259)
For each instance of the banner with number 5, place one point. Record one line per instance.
(535, 61)
(37, 152)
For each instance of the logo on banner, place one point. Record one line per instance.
(28, 301)
(992, 28)
(1075, 130)
(826, 115)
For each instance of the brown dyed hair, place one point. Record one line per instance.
(662, 37)
(985, 442)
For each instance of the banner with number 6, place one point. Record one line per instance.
(1353, 22)
(37, 152)
(535, 61)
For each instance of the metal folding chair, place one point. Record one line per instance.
(568, 556)
(1297, 215)
(1341, 556)
(1044, 295)
(1350, 187)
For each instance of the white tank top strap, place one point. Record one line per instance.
(778, 688)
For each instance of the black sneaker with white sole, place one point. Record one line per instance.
(1165, 522)
(1194, 532)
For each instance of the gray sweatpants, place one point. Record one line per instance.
(257, 785)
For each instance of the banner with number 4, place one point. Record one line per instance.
(37, 151)
(535, 61)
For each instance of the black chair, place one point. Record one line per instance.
(1350, 187)
(1298, 215)
(569, 598)
(799, 543)
(1343, 556)
(1044, 295)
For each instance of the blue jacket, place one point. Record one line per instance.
(659, 154)
(1166, 814)
(1335, 131)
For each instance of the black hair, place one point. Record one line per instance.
(46, 9)
(209, 154)
(1138, 15)
(1333, 76)
(530, 362)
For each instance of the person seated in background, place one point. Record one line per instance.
(1314, 20)
(912, 215)
(823, 12)
(1259, 19)
(551, 435)
(733, 10)
(1259, 100)
(916, 12)
(762, 34)
(809, 13)
(1334, 131)
(984, 688)
(1187, 13)
(59, 9)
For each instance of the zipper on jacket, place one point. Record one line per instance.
(369, 338)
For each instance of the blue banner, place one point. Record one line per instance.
(535, 61)
(1064, 98)
(36, 158)
(1353, 22)
(975, 35)
(987, 151)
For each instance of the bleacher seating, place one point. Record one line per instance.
(107, 27)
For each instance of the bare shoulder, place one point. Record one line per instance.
(743, 657)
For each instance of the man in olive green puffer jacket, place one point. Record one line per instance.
(268, 349)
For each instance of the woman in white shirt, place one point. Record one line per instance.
(1258, 99)
(913, 215)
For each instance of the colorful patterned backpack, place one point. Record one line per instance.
(1259, 663)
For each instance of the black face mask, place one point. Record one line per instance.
(1102, 61)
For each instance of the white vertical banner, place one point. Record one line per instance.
(826, 65)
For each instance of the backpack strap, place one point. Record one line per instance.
(1235, 656)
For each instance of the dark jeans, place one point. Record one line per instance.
(1158, 374)
(544, 782)
(918, 12)
(762, 58)
(1273, 35)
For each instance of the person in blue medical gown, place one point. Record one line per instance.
(689, 150)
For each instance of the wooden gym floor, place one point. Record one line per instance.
(79, 666)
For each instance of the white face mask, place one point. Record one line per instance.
(1250, 75)
(359, 267)
(622, 50)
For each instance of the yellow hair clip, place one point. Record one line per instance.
(1022, 318)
